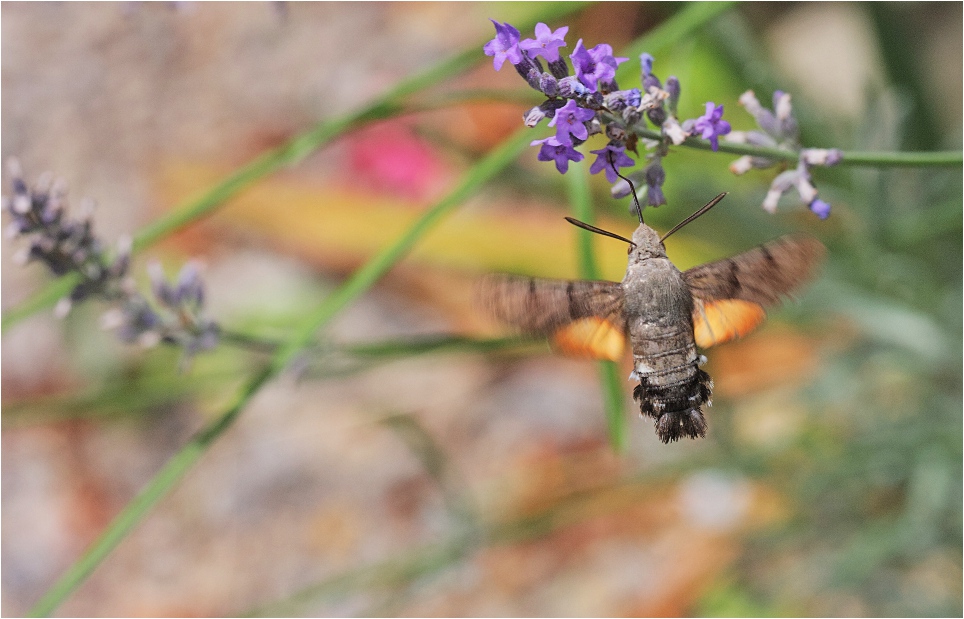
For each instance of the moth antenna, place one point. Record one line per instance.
(702, 210)
(585, 226)
(632, 187)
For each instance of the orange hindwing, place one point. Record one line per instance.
(715, 322)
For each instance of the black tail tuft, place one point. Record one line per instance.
(676, 407)
(675, 425)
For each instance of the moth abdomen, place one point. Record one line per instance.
(674, 398)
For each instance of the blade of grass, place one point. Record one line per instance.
(581, 199)
(387, 105)
(359, 282)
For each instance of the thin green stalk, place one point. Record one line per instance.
(951, 159)
(387, 105)
(361, 281)
(882, 159)
(581, 199)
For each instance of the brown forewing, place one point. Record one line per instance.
(542, 306)
(761, 275)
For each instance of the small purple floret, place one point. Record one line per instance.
(504, 46)
(570, 119)
(596, 65)
(820, 208)
(711, 125)
(562, 154)
(546, 43)
(606, 158)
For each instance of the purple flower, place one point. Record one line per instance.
(562, 154)
(595, 66)
(712, 125)
(546, 43)
(504, 46)
(570, 119)
(820, 208)
(608, 157)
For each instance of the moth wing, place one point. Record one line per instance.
(730, 296)
(581, 318)
(715, 322)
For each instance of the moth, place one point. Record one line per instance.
(667, 314)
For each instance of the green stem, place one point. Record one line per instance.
(182, 461)
(387, 105)
(581, 198)
(940, 158)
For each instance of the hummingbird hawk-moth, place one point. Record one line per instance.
(666, 313)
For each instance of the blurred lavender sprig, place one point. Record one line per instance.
(590, 102)
(67, 245)
(779, 129)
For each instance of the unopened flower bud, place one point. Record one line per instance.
(742, 165)
(673, 130)
(534, 78)
(594, 101)
(674, 89)
(548, 85)
(821, 156)
(570, 87)
(559, 68)
(805, 188)
(615, 132)
(646, 64)
(781, 105)
(533, 117)
(771, 200)
(656, 115)
(631, 115)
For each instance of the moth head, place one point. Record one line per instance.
(647, 244)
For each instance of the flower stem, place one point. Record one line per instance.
(855, 158)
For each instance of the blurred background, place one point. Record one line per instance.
(829, 483)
